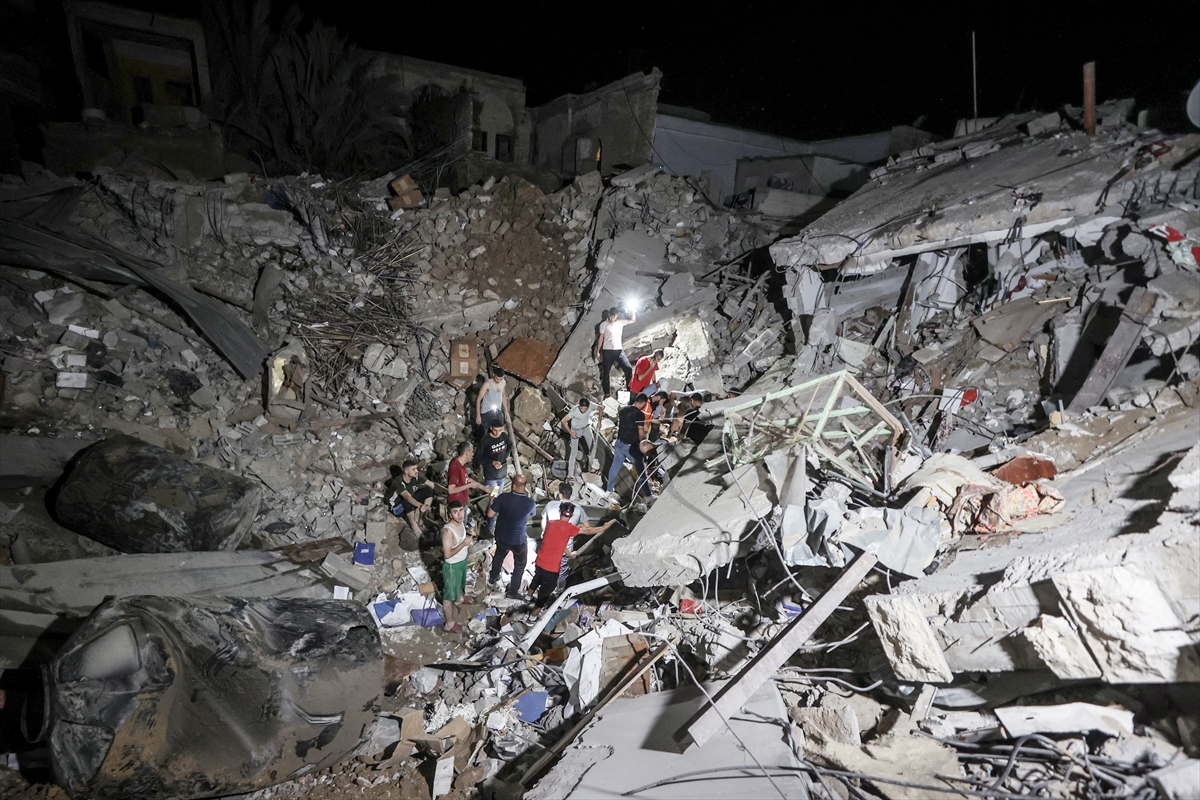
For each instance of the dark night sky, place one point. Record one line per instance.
(809, 70)
(801, 69)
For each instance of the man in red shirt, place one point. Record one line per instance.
(645, 374)
(458, 482)
(555, 539)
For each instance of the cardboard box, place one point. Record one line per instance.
(412, 722)
(407, 194)
(464, 363)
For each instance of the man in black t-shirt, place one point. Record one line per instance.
(631, 429)
(410, 494)
(492, 455)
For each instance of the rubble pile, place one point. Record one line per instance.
(923, 516)
(497, 258)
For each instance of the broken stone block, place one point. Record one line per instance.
(424, 680)
(265, 225)
(73, 380)
(832, 724)
(1173, 335)
(273, 474)
(677, 287)
(531, 407)
(1057, 644)
(911, 647)
(1129, 626)
(381, 360)
(204, 397)
(342, 571)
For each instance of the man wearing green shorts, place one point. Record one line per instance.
(455, 543)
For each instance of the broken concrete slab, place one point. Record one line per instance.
(973, 202)
(980, 627)
(1177, 781)
(695, 525)
(1067, 718)
(629, 745)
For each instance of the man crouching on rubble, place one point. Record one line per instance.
(455, 544)
(411, 495)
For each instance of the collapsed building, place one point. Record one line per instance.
(934, 529)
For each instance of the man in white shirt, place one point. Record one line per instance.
(609, 348)
(578, 425)
(550, 512)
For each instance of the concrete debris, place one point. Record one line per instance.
(926, 467)
(1070, 718)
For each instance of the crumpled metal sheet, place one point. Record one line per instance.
(38, 240)
(139, 498)
(157, 697)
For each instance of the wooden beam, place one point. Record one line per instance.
(1116, 353)
(612, 695)
(1089, 98)
(734, 694)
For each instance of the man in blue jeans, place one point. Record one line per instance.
(512, 511)
(631, 429)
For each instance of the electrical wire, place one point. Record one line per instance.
(838, 681)
(766, 528)
(715, 707)
(806, 767)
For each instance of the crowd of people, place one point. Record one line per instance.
(652, 417)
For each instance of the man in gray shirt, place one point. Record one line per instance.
(578, 425)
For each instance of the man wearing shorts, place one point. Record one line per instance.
(455, 544)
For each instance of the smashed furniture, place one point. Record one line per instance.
(834, 415)
(139, 498)
(173, 697)
(702, 518)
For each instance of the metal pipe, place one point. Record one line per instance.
(571, 591)
(1089, 98)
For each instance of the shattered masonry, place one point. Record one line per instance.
(932, 510)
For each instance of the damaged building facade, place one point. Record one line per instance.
(923, 477)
